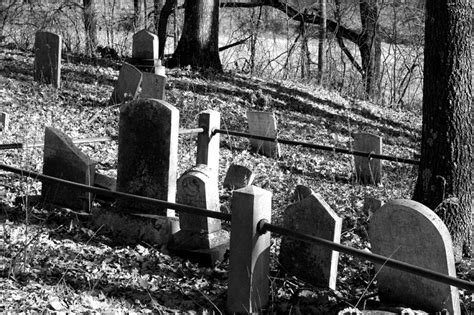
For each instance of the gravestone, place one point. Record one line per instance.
(311, 262)
(301, 192)
(368, 171)
(145, 50)
(200, 238)
(64, 160)
(148, 153)
(4, 121)
(408, 231)
(371, 205)
(263, 124)
(238, 176)
(153, 86)
(47, 50)
(128, 84)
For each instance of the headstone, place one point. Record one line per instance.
(145, 50)
(312, 263)
(153, 86)
(64, 160)
(4, 121)
(368, 171)
(128, 84)
(48, 58)
(197, 187)
(301, 192)
(238, 176)
(249, 285)
(370, 206)
(408, 231)
(263, 124)
(148, 153)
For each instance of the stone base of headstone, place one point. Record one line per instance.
(238, 176)
(131, 229)
(4, 121)
(205, 248)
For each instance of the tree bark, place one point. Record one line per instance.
(445, 173)
(198, 45)
(369, 46)
(137, 17)
(157, 7)
(90, 26)
(165, 12)
(322, 42)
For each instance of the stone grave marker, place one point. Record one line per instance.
(200, 238)
(408, 231)
(128, 84)
(148, 153)
(4, 121)
(153, 86)
(368, 171)
(238, 176)
(263, 124)
(145, 50)
(312, 263)
(47, 50)
(301, 192)
(64, 160)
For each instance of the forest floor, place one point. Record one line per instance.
(53, 259)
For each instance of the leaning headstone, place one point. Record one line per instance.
(368, 170)
(145, 50)
(64, 160)
(311, 262)
(153, 86)
(47, 50)
(238, 176)
(408, 231)
(200, 238)
(4, 121)
(128, 84)
(148, 153)
(263, 124)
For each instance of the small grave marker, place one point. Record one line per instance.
(368, 171)
(200, 238)
(410, 232)
(64, 160)
(263, 124)
(312, 263)
(128, 84)
(148, 153)
(153, 86)
(238, 176)
(145, 50)
(4, 121)
(47, 50)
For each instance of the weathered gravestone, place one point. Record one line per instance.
(238, 176)
(145, 50)
(368, 170)
(200, 238)
(4, 121)
(47, 49)
(408, 231)
(128, 84)
(153, 86)
(301, 192)
(64, 160)
(312, 263)
(263, 124)
(148, 153)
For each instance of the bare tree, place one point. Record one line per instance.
(90, 25)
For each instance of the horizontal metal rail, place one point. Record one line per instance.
(8, 146)
(115, 194)
(264, 226)
(317, 146)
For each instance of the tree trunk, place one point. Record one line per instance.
(198, 45)
(369, 46)
(137, 17)
(322, 41)
(157, 7)
(445, 173)
(166, 11)
(90, 25)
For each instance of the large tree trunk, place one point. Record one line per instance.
(369, 46)
(445, 174)
(322, 42)
(157, 7)
(198, 45)
(90, 25)
(137, 15)
(165, 12)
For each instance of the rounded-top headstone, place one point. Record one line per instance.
(408, 231)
